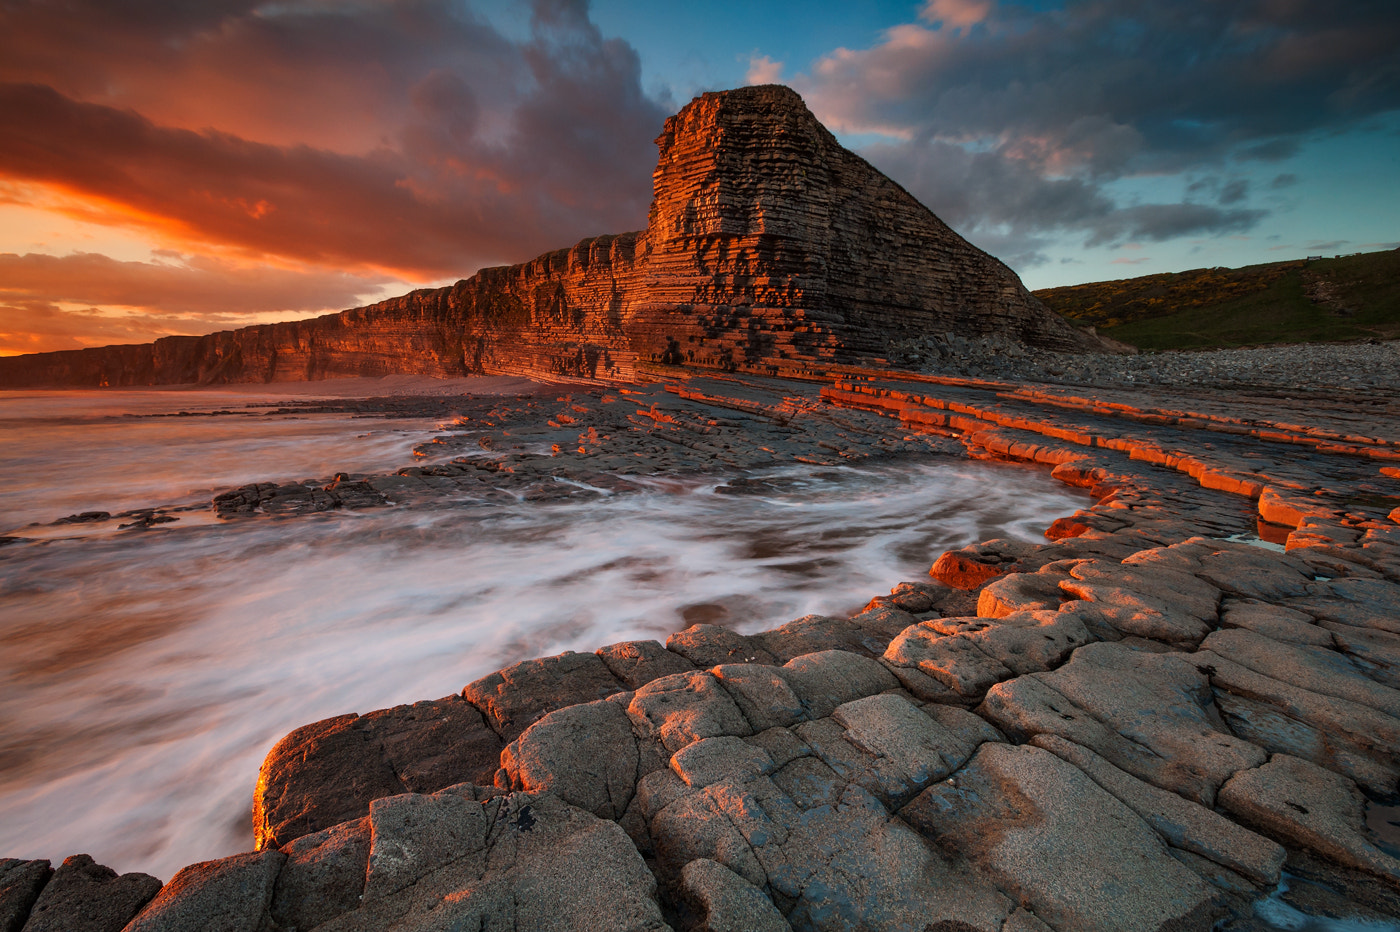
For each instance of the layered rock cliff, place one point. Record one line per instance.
(768, 247)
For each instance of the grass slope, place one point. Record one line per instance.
(1304, 301)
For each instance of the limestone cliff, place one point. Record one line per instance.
(769, 247)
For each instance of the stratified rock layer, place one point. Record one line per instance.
(769, 247)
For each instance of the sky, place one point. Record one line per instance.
(197, 165)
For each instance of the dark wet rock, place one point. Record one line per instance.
(515, 698)
(295, 498)
(328, 772)
(636, 663)
(711, 645)
(85, 517)
(20, 884)
(323, 877)
(84, 896)
(229, 895)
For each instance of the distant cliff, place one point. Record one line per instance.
(768, 247)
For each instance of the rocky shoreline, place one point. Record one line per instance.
(1187, 697)
(1368, 366)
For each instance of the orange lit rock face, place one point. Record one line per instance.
(768, 247)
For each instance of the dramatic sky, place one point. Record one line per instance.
(193, 165)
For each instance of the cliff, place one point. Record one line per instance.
(768, 247)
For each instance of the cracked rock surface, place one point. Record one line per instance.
(1179, 704)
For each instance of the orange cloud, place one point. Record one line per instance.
(65, 302)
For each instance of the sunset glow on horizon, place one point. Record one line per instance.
(180, 168)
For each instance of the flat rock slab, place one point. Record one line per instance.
(1309, 807)
(1182, 824)
(1035, 824)
(518, 862)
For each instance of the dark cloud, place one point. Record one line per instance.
(1234, 191)
(407, 135)
(1158, 222)
(1015, 125)
(1122, 81)
(1285, 180)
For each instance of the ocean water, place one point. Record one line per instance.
(145, 674)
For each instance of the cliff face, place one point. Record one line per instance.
(768, 247)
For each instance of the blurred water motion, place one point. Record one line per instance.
(144, 675)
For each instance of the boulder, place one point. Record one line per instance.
(328, 772)
(812, 633)
(762, 694)
(828, 678)
(711, 760)
(1064, 847)
(586, 755)
(685, 707)
(727, 902)
(1316, 669)
(711, 645)
(84, 896)
(521, 862)
(323, 877)
(1274, 621)
(232, 894)
(20, 884)
(1345, 736)
(1183, 824)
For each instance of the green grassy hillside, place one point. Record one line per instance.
(1354, 297)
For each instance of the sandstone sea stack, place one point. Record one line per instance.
(769, 248)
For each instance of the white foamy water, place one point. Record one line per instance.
(144, 675)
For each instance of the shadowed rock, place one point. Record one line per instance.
(20, 884)
(84, 896)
